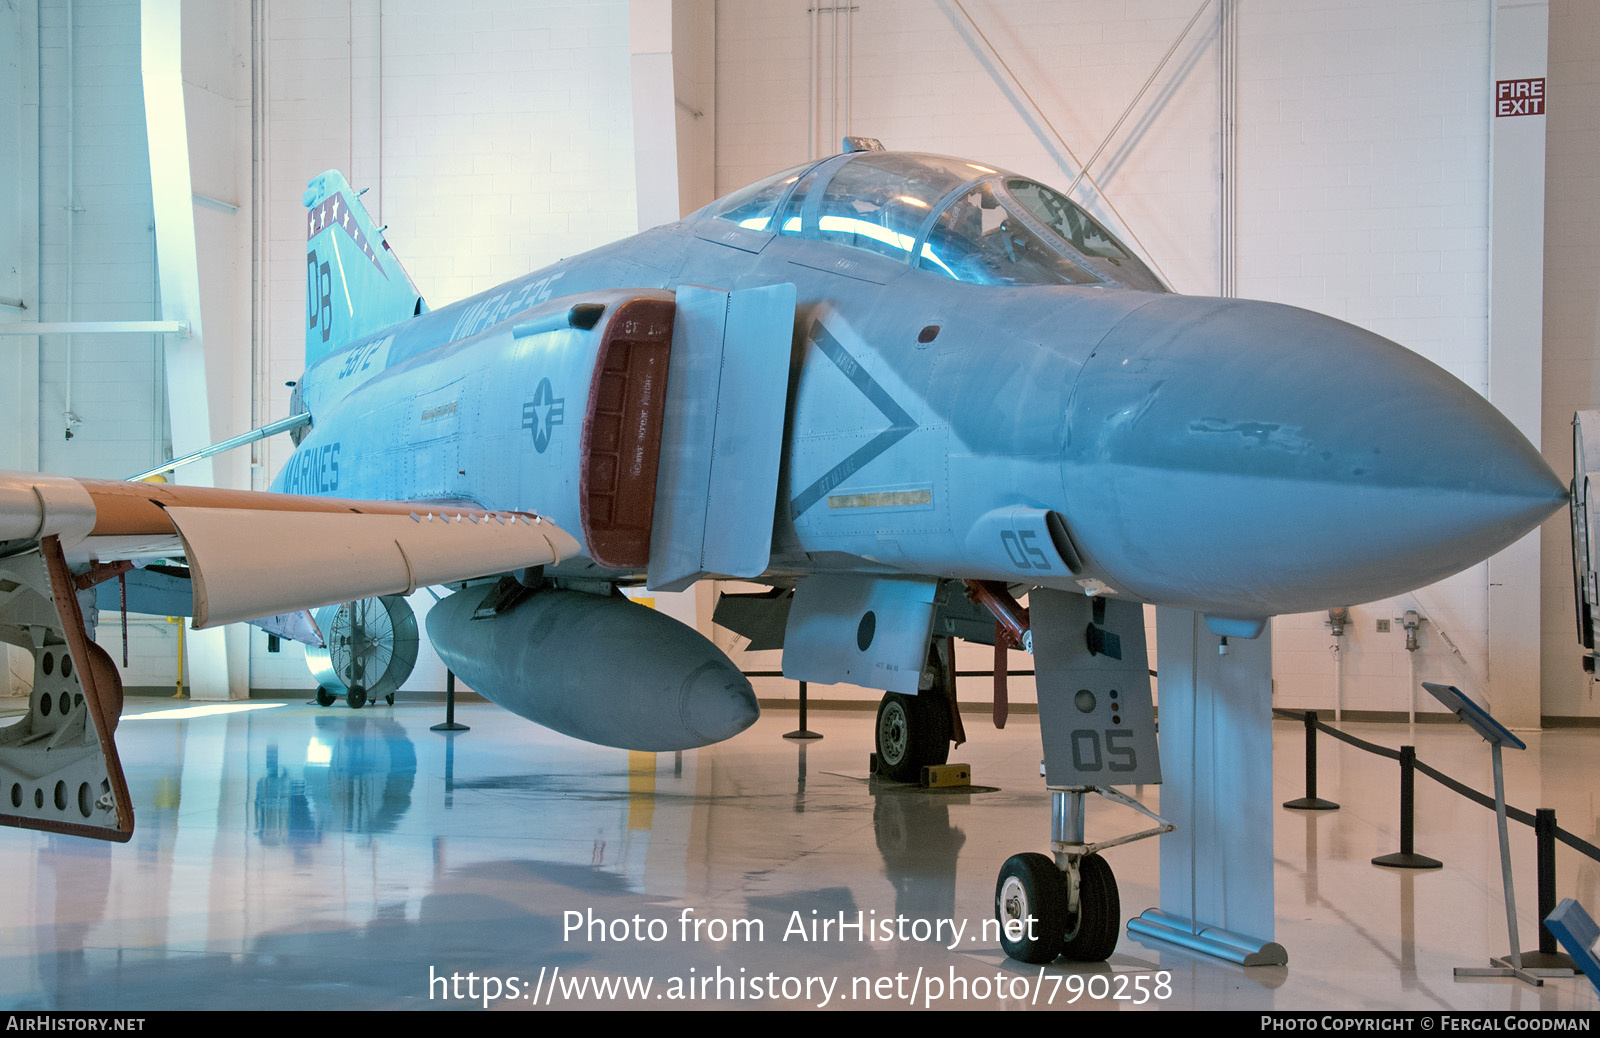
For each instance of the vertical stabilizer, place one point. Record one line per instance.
(354, 284)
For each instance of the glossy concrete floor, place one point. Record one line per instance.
(293, 857)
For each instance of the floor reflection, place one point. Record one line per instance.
(307, 858)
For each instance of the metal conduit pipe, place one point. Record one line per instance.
(68, 417)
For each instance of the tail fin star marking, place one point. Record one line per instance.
(335, 211)
(349, 263)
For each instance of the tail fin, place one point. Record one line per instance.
(354, 284)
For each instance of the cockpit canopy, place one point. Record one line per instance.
(951, 217)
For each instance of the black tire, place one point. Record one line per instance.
(912, 731)
(1092, 936)
(356, 698)
(1031, 887)
(324, 697)
(389, 699)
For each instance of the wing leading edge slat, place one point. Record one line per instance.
(253, 554)
(247, 563)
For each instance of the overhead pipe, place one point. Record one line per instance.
(260, 284)
(849, 66)
(1228, 229)
(70, 328)
(68, 417)
(812, 119)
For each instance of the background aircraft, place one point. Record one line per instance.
(901, 390)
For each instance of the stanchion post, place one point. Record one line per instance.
(802, 732)
(450, 724)
(1544, 834)
(1311, 802)
(1408, 858)
(1549, 957)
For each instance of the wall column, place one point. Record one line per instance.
(1520, 34)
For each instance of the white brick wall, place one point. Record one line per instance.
(1363, 157)
(115, 389)
(1571, 317)
(16, 137)
(113, 378)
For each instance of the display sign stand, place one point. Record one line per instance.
(1497, 736)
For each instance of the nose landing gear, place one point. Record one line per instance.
(1067, 907)
(1030, 900)
(1073, 911)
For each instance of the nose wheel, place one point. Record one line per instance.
(1091, 934)
(1067, 906)
(1030, 900)
(1038, 920)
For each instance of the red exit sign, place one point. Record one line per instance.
(1519, 97)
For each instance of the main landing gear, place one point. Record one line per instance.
(1068, 906)
(914, 732)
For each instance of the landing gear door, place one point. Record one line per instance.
(59, 770)
(870, 631)
(1096, 714)
(722, 437)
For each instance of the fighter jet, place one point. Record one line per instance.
(900, 390)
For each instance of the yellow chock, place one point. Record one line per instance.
(934, 775)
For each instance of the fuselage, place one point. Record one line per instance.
(1239, 458)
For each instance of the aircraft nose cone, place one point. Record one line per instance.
(716, 702)
(1263, 459)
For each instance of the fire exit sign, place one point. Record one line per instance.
(1519, 97)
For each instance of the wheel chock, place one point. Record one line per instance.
(937, 775)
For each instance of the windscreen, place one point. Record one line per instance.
(1101, 252)
(991, 227)
(977, 239)
(880, 201)
(753, 206)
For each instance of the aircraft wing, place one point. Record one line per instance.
(254, 554)
(250, 554)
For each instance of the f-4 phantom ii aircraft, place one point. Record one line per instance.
(900, 390)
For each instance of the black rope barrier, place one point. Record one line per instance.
(1360, 744)
(1583, 847)
(1527, 818)
(1543, 823)
(1514, 813)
